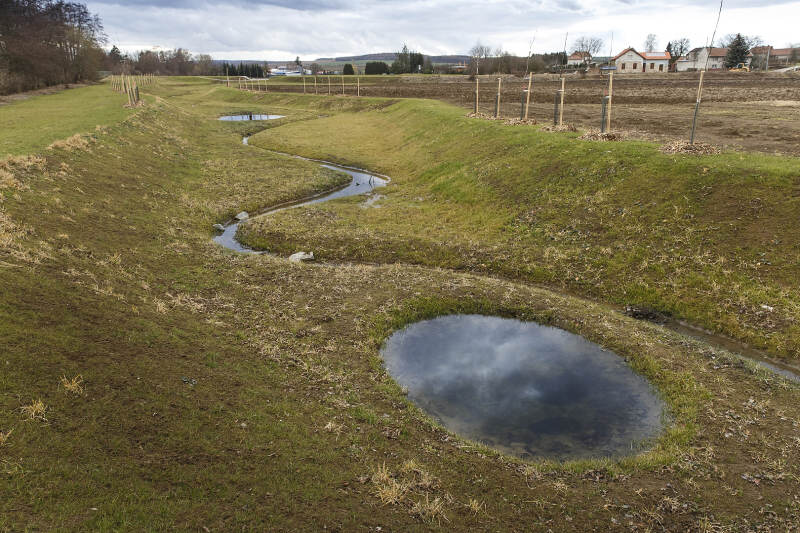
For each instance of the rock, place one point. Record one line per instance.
(644, 313)
(219, 227)
(301, 256)
(242, 216)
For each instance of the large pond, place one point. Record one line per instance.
(523, 388)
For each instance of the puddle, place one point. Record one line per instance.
(523, 388)
(362, 182)
(250, 116)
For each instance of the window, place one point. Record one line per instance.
(652, 66)
(661, 68)
(623, 66)
(635, 66)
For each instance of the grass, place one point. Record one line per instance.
(705, 239)
(30, 125)
(227, 392)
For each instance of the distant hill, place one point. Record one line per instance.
(391, 56)
(388, 57)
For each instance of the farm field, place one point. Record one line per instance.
(153, 380)
(740, 111)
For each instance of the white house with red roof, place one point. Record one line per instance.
(629, 61)
(579, 58)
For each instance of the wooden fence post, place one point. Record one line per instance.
(528, 95)
(610, 96)
(329, 85)
(697, 106)
(304, 85)
(342, 84)
(358, 86)
(476, 94)
(561, 106)
(497, 101)
(315, 85)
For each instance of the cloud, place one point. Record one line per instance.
(298, 5)
(282, 29)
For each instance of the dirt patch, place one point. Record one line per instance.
(685, 147)
(16, 97)
(594, 135)
(520, 121)
(561, 127)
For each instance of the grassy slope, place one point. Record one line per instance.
(114, 279)
(32, 124)
(708, 239)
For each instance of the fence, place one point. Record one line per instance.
(649, 106)
(129, 85)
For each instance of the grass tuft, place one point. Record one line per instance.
(74, 385)
(75, 142)
(476, 506)
(429, 511)
(36, 410)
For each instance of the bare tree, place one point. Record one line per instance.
(677, 49)
(478, 53)
(530, 55)
(750, 40)
(651, 42)
(587, 44)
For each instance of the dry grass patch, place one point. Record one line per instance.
(74, 385)
(76, 142)
(4, 436)
(429, 511)
(476, 506)
(392, 492)
(37, 410)
(685, 147)
(594, 135)
(12, 166)
(335, 428)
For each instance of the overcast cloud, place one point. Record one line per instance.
(283, 29)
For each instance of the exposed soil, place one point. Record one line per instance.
(16, 97)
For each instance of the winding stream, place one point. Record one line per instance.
(361, 182)
(364, 181)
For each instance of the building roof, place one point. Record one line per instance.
(580, 55)
(715, 52)
(643, 55)
(783, 51)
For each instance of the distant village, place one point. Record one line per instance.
(628, 61)
(632, 61)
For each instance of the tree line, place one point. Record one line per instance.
(251, 70)
(46, 42)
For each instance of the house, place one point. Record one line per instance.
(286, 71)
(578, 58)
(629, 61)
(785, 56)
(778, 57)
(698, 58)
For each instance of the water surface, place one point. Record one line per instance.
(523, 388)
(251, 116)
(361, 182)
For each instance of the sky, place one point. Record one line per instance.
(284, 29)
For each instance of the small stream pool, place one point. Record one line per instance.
(524, 389)
(250, 116)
